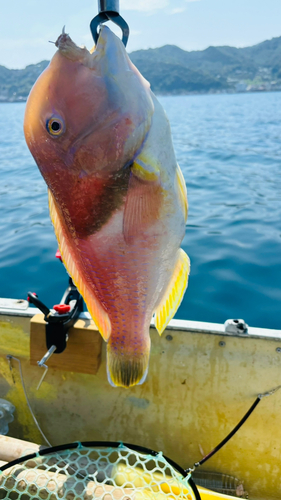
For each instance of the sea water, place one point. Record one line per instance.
(229, 149)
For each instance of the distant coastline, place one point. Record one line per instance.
(173, 71)
(24, 99)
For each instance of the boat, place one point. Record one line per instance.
(203, 378)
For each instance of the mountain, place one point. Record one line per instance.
(172, 70)
(225, 65)
(15, 84)
(175, 78)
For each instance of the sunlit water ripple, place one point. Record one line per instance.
(229, 148)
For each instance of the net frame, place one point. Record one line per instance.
(114, 445)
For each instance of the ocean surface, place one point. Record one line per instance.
(229, 149)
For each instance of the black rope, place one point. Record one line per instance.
(230, 435)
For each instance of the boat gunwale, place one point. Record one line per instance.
(174, 325)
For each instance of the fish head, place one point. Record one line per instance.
(88, 113)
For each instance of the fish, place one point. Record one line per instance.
(117, 197)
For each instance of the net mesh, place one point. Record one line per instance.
(88, 473)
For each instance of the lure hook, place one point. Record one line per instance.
(109, 11)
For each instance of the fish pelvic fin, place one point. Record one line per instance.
(96, 310)
(173, 296)
(125, 371)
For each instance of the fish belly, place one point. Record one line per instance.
(127, 280)
(122, 282)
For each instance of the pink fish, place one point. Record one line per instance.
(117, 197)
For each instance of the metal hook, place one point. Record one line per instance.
(43, 364)
(109, 11)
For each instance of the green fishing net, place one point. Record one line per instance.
(81, 472)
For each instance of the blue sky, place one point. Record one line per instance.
(26, 26)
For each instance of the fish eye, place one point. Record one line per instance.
(55, 126)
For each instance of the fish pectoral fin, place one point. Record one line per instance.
(143, 200)
(173, 296)
(146, 168)
(96, 310)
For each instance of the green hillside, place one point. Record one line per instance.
(172, 70)
(174, 78)
(15, 84)
(228, 65)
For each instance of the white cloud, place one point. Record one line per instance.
(143, 5)
(177, 10)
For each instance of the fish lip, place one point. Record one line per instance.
(71, 51)
(62, 40)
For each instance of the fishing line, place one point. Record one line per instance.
(9, 358)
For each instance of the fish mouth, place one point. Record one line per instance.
(71, 51)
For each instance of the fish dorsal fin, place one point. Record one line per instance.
(182, 191)
(97, 312)
(143, 200)
(173, 296)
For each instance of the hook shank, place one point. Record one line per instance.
(109, 6)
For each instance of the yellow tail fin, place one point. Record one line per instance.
(126, 371)
(174, 293)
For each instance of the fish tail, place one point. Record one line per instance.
(124, 370)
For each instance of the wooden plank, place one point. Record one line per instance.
(83, 351)
(12, 448)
